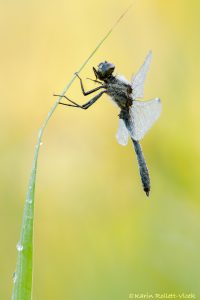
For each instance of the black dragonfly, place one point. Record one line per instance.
(135, 117)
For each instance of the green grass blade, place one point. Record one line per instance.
(22, 277)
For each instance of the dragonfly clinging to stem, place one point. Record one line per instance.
(135, 117)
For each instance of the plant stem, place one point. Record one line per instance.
(22, 278)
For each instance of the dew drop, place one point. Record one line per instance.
(19, 247)
(14, 277)
(41, 143)
(29, 200)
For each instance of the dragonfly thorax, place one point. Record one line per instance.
(120, 92)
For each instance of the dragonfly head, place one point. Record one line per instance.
(105, 70)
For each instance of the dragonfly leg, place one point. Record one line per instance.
(91, 91)
(97, 81)
(95, 72)
(74, 103)
(92, 101)
(85, 105)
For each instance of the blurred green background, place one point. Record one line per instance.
(96, 234)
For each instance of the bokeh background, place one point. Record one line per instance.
(96, 234)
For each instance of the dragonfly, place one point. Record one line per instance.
(136, 117)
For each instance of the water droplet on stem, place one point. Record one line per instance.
(14, 277)
(19, 247)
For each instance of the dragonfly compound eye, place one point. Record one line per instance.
(105, 69)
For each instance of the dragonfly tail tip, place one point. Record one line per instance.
(147, 192)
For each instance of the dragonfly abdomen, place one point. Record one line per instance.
(144, 173)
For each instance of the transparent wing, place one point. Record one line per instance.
(142, 116)
(122, 133)
(137, 81)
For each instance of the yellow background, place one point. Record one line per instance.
(96, 234)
